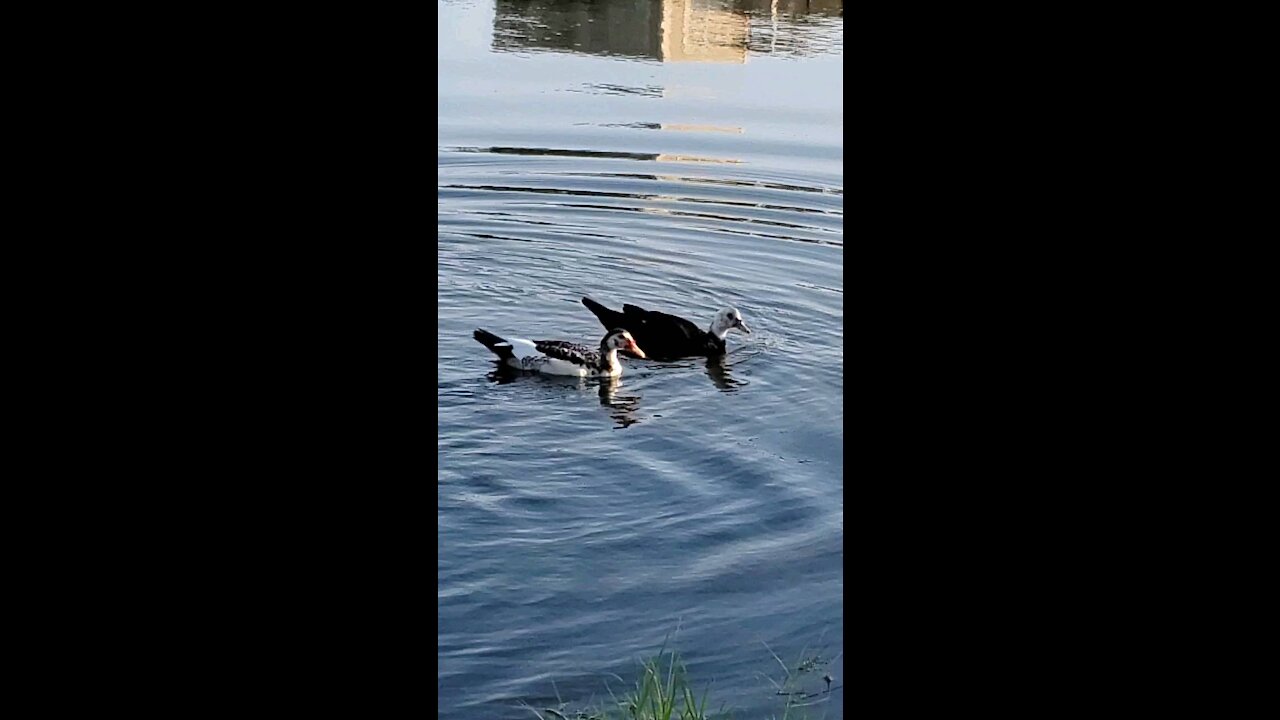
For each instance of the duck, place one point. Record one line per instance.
(668, 337)
(560, 357)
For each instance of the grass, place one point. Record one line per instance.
(799, 681)
(664, 691)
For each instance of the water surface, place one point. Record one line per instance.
(679, 155)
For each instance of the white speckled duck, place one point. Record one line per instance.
(558, 357)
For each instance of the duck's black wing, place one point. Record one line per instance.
(573, 352)
(667, 337)
(671, 327)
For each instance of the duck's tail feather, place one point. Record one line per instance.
(608, 318)
(500, 347)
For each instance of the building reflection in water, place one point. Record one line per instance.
(668, 30)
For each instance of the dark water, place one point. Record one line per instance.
(680, 155)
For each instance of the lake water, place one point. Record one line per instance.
(680, 155)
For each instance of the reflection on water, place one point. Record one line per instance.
(718, 371)
(659, 157)
(622, 408)
(669, 30)
(615, 89)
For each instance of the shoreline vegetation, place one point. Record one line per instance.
(663, 690)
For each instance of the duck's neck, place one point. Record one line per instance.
(715, 340)
(608, 359)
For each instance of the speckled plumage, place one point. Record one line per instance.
(560, 357)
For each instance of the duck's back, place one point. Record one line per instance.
(664, 336)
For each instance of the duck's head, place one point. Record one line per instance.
(726, 320)
(621, 340)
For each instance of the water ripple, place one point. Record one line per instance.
(579, 522)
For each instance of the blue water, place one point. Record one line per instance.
(681, 156)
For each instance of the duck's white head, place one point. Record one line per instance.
(726, 320)
(620, 339)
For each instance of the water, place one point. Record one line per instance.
(681, 155)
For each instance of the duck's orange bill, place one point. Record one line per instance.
(635, 349)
